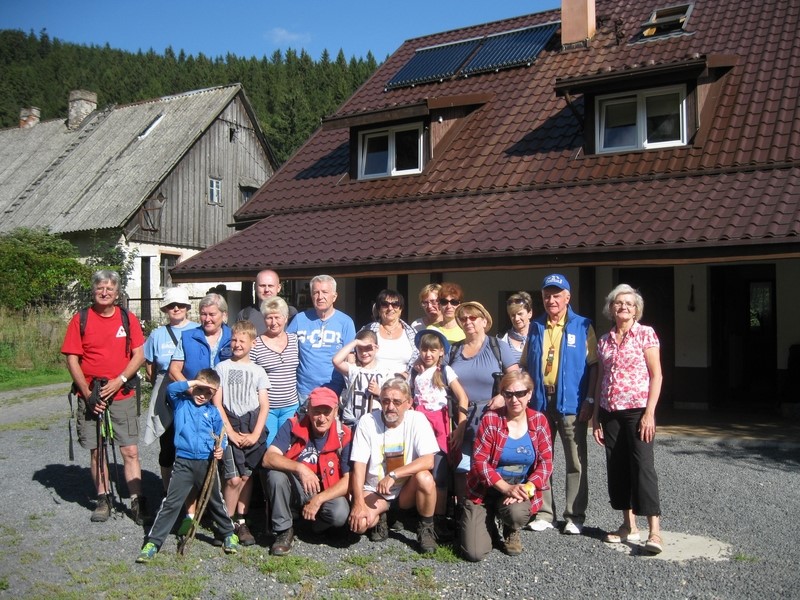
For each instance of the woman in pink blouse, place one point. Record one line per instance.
(629, 383)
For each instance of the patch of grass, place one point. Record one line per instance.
(41, 423)
(293, 569)
(359, 560)
(742, 557)
(445, 554)
(30, 558)
(357, 581)
(4, 584)
(424, 576)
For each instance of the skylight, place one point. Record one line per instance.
(667, 20)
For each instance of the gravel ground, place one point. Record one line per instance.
(743, 494)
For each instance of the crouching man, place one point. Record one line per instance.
(308, 470)
(392, 456)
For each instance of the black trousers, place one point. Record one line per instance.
(632, 479)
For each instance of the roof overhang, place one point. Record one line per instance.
(642, 74)
(399, 113)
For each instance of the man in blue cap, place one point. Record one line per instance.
(561, 356)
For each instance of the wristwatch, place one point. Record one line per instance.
(589, 399)
(393, 475)
(124, 379)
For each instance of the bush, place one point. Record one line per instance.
(30, 343)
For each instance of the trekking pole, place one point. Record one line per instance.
(108, 434)
(202, 500)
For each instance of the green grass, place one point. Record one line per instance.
(359, 560)
(293, 569)
(741, 557)
(357, 581)
(4, 585)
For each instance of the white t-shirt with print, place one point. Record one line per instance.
(372, 440)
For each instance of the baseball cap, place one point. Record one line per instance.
(556, 280)
(323, 396)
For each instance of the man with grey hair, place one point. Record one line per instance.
(321, 333)
(104, 349)
(268, 285)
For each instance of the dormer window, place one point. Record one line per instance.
(667, 20)
(390, 151)
(653, 118)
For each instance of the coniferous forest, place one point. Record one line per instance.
(290, 91)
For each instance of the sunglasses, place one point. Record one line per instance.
(512, 302)
(450, 301)
(508, 394)
(174, 305)
(388, 401)
(466, 318)
(388, 303)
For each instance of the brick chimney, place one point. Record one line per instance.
(28, 117)
(81, 104)
(577, 21)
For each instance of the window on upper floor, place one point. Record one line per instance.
(247, 192)
(214, 190)
(667, 20)
(653, 118)
(390, 151)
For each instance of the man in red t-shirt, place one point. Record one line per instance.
(103, 352)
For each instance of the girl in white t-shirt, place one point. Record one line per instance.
(431, 390)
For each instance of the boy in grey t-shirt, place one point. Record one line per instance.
(243, 402)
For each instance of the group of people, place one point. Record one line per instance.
(345, 429)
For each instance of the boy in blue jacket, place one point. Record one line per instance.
(196, 423)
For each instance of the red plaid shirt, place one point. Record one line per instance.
(489, 443)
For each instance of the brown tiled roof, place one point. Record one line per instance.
(515, 187)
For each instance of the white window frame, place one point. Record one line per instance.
(640, 96)
(391, 168)
(214, 190)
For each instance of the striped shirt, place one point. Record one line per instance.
(281, 367)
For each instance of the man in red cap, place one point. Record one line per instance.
(308, 470)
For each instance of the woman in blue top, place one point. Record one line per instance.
(476, 360)
(158, 351)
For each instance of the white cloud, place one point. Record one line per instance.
(282, 37)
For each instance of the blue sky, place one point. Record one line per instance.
(255, 27)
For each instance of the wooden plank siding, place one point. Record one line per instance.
(188, 219)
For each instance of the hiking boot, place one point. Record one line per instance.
(379, 533)
(139, 510)
(245, 537)
(147, 553)
(513, 542)
(231, 544)
(426, 537)
(102, 511)
(283, 543)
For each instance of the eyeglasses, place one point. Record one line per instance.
(450, 301)
(389, 401)
(465, 318)
(508, 394)
(517, 301)
(619, 304)
(388, 303)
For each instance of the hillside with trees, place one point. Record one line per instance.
(290, 91)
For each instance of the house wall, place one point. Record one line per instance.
(787, 301)
(187, 219)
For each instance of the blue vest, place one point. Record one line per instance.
(197, 352)
(573, 372)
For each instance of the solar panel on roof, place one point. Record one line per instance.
(510, 49)
(433, 64)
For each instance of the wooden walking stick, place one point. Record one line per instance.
(202, 501)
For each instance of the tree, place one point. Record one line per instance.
(38, 269)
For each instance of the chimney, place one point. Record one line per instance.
(28, 117)
(81, 104)
(577, 21)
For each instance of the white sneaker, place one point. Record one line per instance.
(572, 528)
(539, 525)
